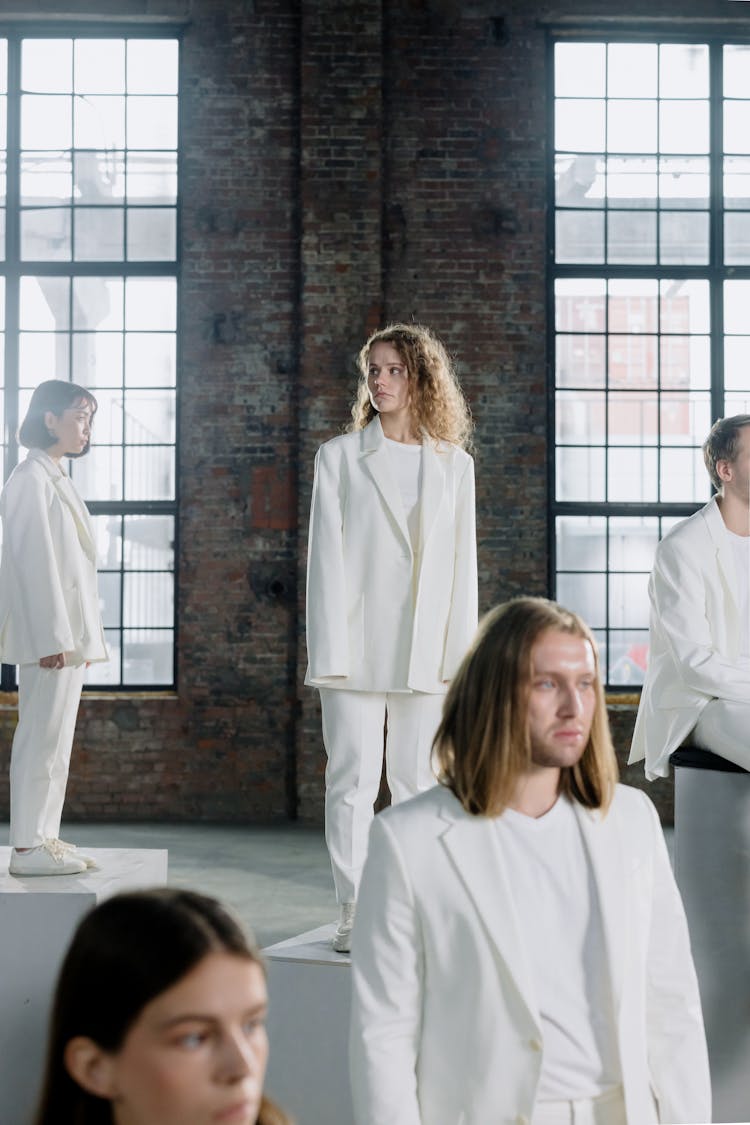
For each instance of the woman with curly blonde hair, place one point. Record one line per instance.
(391, 584)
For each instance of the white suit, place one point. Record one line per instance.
(386, 629)
(445, 1025)
(694, 638)
(49, 604)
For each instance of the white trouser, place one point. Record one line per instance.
(47, 708)
(724, 727)
(608, 1109)
(353, 723)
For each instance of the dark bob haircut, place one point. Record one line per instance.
(125, 952)
(55, 396)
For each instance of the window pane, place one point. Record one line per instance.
(632, 475)
(149, 472)
(152, 177)
(737, 363)
(97, 359)
(737, 238)
(45, 235)
(685, 418)
(109, 598)
(99, 66)
(580, 304)
(149, 542)
(685, 362)
(737, 126)
(632, 70)
(580, 417)
(150, 359)
(683, 475)
(108, 423)
(633, 418)
(46, 177)
(581, 543)
(47, 65)
(632, 542)
(42, 355)
(736, 71)
(150, 303)
(628, 600)
(579, 125)
(147, 656)
(685, 306)
(633, 361)
(99, 234)
(152, 234)
(580, 361)
(683, 70)
(148, 599)
(98, 475)
(632, 181)
(627, 657)
(579, 69)
(683, 181)
(683, 126)
(104, 675)
(45, 303)
(46, 121)
(580, 474)
(152, 66)
(579, 237)
(99, 177)
(98, 302)
(152, 122)
(736, 304)
(149, 417)
(99, 122)
(585, 594)
(631, 236)
(631, 126)
(683, 237)
(633, 305)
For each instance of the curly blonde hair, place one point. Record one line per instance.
(437, 402)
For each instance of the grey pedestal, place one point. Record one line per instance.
(712, 868)
(37, 919)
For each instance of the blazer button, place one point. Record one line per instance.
(535, 1044)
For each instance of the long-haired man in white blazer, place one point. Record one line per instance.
(698, 677)
(50, 622)
(391, 584)
(520, 952)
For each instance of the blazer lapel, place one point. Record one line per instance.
(433, 487)
(472, 846)
(604, 844)
(375, 460)
(727, 570)
(69, 496)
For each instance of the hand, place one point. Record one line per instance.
(56, 661)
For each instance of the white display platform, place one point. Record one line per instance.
(308, 1028)
(37, 918)
(712, 869)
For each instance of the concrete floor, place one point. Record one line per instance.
(277, 879)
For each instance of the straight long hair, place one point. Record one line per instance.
(127, 951)
(482, 746)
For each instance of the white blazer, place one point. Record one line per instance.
(694, 637)
(445, 1027)
(49, 601)
(370, 626)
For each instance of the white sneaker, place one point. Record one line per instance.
(342, 939)
(50, 858)
(74, 850)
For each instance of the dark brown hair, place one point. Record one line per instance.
(125, 952)
(55, 396)
(482, 746)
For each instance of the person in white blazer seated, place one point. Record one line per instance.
(50, 623)
(520, 952)
(391, 585)
(697, 684)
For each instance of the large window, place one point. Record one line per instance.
(88, 292)
(650, 287)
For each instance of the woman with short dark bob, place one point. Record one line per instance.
(50, 621)
(158, 1018)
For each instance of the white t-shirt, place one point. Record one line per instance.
(558, 912)
(741, 549)
(406, 461)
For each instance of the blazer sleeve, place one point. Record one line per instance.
(327, 635)
(387, 984)
(678, 600)
(463, 614)
(677, 1053)
(38, 606)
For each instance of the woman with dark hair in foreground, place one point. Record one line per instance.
(158, 1019)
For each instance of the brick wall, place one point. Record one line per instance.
(344, 163)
